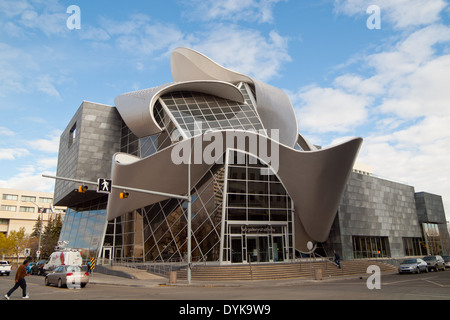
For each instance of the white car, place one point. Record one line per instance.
(5, 268)
(413, 265)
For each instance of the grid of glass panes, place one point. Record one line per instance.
(198, 112)
(254, 196)
(84, 226)
(165, 223)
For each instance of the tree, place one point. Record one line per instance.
(6, 245)
(17, 241)
(50, 236)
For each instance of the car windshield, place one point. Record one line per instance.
(446, 258)
(429, 258)
(409, 261)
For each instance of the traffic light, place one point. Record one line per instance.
(82, 189)
(124, 195)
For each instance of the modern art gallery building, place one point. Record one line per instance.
(260, 192)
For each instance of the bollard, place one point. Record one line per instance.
(318, 274)
(173, 277)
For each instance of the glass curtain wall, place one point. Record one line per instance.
(414, 247)
(432, 238)
(165, 223)
(259, 213)
(84, 227)
(187, 114)
(370, 247)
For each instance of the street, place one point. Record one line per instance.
(424, 286)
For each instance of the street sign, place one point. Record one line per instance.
(92, 263)
(104, 186)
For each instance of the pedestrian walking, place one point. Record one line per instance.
(89, 266)
(337, 259)
(20, 281)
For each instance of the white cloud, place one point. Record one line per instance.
(245, 51)
(323, 110)
(45, 84)
(29, 178)
(6, 132)
(141, 36)
(401, 13)
(47, 16)
(232, 10)
(49, 145)
(12, 153)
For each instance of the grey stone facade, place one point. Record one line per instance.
(430, 210)
(86, 149)
(374, 207)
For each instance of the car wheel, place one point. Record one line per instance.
(60, 285)
(47, 283)
(418, 270)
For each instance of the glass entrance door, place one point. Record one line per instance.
(258, 248)
(278, 248)
(236, 249)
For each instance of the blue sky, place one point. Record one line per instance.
(389, 85)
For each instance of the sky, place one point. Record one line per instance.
(377, 69)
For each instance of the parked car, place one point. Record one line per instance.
(38, 268)
(435, 262)
(413, 266)
(447, 261)
(5, 268)
(68, 276)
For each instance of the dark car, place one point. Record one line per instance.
(38, 268)
(435, 262)
(447, 261)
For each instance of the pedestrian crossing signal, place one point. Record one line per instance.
(124, 195)
(82, 189)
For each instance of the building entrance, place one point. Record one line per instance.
(258, 244)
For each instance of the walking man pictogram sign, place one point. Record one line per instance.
(104, 186)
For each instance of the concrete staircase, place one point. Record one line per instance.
(276, 271)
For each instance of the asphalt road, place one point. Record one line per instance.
(424, 286)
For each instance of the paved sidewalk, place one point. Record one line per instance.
(100, 278)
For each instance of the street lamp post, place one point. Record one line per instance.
(40, 229)
(189, 227)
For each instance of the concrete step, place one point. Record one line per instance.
(280, 271)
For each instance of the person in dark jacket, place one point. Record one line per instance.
(20, 281)
(337, 259)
